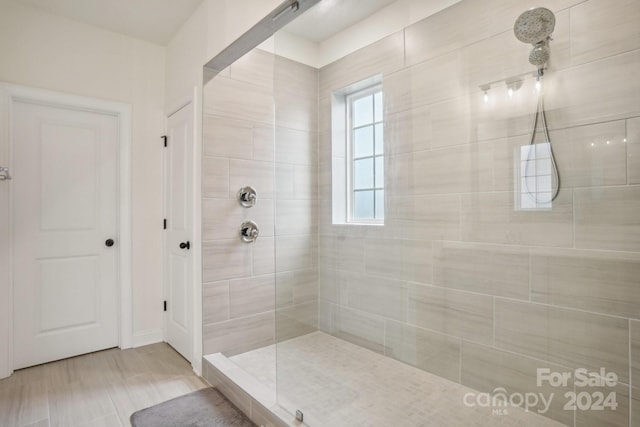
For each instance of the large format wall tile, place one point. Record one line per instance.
(461, 314)
(488, 269)
(572, 338)
(433, 217)
(215, 302)
(235, 99)
(215, 177)
(255, 67)
(607, 218)
(239, 335)
(604, 282)
(296, 217)
(224, 137)
(461, 169)
(305, 285)
(339, 252)
(427, 350)
(330, 284)
(358, 328)
(577, 96)
(399, 259)
(295, 92)
(601, 28)
(376, 295)
(263, 260)
(382, 57)
(451, 123)
(221, 218)
(633, 150)
(493, 218)
(296, 320)
(258, 174)
(430, 82)
(408, 131)
(295, 252)
(225, 259)
(486, 368)
(609, 417)
(251, 295)
(589, 156)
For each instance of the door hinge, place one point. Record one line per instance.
(164, 224)
(165, 305)
(164, 138)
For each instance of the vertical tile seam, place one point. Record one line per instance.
(626, 147)
(630, 372)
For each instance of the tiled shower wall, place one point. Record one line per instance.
(458, 281)
(239, 301)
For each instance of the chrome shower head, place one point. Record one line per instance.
(539, 54)
(534, 25)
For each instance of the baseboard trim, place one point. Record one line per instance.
(150, 336)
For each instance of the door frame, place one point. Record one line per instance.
(9, 94)
(195, 99)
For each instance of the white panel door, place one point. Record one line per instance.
(179, 212)
(65, 206)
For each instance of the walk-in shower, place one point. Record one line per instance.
(484, 281)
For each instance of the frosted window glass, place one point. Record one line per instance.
(363, 142)
(379, 139)
(363, 174)
(363, 111)
(379, 172)
(363, 205)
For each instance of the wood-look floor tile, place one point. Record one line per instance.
(101, 389)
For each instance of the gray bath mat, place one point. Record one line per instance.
(202, 408)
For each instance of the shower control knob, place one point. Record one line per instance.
(247, 196)
(249, 231)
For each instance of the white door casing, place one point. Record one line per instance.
(67, 224)
(178, 243)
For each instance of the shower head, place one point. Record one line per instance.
(539, 54)
(534, 25)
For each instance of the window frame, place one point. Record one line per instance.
(350, 98)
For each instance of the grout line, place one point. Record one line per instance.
(626, 149)
(493, 315)
(530, 258)
(630, 372)
(460, 344)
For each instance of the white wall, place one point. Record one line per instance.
(42, 50)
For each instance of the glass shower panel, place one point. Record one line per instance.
(238, 188)
(479, 276)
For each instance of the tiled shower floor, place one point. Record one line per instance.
(336, 383)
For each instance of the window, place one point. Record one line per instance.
(357, 153)
(365, 156)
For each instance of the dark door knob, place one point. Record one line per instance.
(185, 245)
(109, 243)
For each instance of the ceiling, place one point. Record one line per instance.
(335, 16)
(155, 21)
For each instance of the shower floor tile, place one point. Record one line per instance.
(335, 384)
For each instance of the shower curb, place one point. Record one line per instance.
(250, 396)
